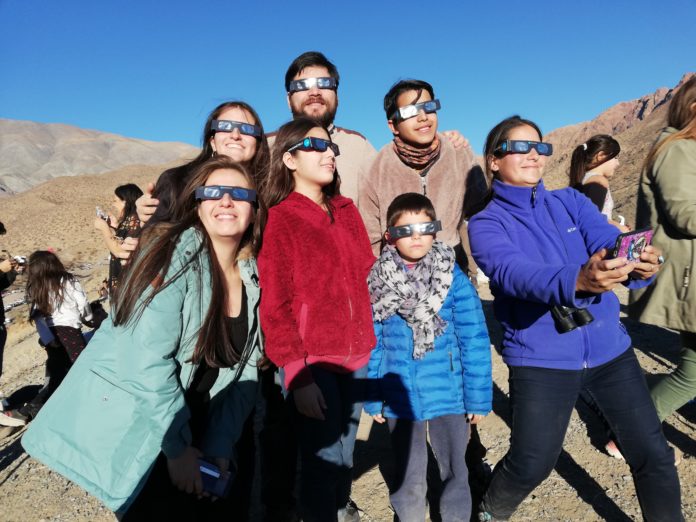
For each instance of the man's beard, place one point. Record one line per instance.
(325, 119)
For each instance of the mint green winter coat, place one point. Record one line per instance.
(122, 403)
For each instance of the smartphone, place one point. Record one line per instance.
(215, 482)
(102, 214)
(631, 244)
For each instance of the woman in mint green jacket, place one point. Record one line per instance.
(171, 376)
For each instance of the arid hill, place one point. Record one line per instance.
(31, 153)
(635, 124)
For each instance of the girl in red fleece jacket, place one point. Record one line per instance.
(315, 309)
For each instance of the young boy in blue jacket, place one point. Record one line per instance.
(431, 367)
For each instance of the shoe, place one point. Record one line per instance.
(484, 516)
(12, 418)
(613, 451)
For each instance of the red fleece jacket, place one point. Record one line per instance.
(313, 275)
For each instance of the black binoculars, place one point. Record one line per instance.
(568, 319)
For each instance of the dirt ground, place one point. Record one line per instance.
(586, 484)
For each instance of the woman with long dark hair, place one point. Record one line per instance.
(116, 228)
(545, 253)
(171, 376)
(316, 310)
(666, 204)
(592, 166)
(232, 129)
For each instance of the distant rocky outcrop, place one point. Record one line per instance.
(31, 153)
(634, 124)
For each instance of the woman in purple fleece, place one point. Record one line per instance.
(546, 254)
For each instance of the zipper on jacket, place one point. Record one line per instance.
(685, 283)
(423, 180)
(451, 361)
(534, 189)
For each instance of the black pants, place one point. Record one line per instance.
(3, 339)
(542, 401)
(58, 364)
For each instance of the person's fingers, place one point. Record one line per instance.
(150, 189)
(198, 483)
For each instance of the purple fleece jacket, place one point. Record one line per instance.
(531, 243)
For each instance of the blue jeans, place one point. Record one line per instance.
(448, 438)
(542, 401)
(326, 446)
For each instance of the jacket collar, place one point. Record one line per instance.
(521, 198)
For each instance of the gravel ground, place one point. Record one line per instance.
(586, 485)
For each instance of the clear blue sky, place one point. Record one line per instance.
(153, 70)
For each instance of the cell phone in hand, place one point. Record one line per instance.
(215, 482)
(631, 244)
(102, 214)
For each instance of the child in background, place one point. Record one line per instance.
(57, 298)
(432, 362)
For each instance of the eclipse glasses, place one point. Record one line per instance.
(218, 191)
(431, 227)
(523, 147)
(307, 83)
(229, 125)
(409, 111)
(316, 144)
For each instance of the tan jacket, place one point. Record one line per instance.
(446, 184)
(667, 204)
(356, 157)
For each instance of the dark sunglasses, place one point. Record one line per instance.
(523, 147)
(307, 83)
(229, 126)
(218, 191)
(317, 144)
(431, 227)
(409, 111)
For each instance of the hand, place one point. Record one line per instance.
(146, 204)
(458, 141)
(474, 418)
(264, 363)
(600, 274)
(7, 265)
(649, 263)
(310, 401)
(379, 418)
(184, 471)
(101, 225)
(128, 246)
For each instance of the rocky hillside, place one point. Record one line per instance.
(635, 124)
(31, 153)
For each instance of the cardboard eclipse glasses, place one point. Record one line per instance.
(218, 192)
(229, 125)
(409, 111)
(307, 83)
(431, 227)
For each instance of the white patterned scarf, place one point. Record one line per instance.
(416, 295)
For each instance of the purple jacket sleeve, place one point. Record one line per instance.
(514, 274)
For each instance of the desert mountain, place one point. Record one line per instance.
(634, 124)
(31, 153)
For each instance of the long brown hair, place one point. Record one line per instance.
(46, 278)
(152, 260)
(281, 182)
(680, 116)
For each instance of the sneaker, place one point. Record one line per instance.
(484, 516)
(613, 451)
(12, 418)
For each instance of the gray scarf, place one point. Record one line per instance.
(416, 295)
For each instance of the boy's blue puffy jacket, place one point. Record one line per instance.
(453, 378)
(531, 243)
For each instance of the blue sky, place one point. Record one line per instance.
(153, 70)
